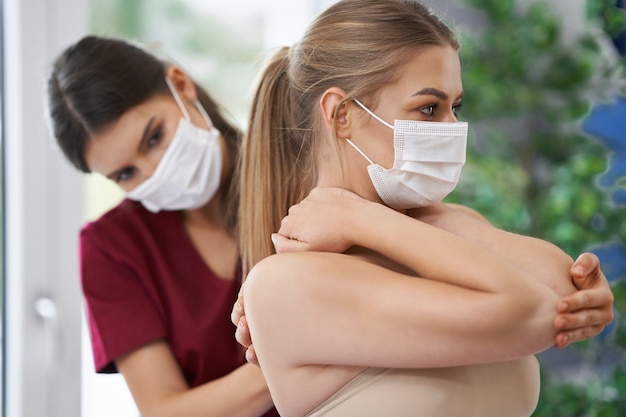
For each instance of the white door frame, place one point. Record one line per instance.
(43, 200)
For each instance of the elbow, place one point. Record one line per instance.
(158, 409)
(534, 311)
(556, 274)
(266, 298)
(257, 292)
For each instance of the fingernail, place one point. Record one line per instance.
(562, 306)
(273, 237)
(578, 270)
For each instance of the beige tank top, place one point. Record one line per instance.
(492, 390)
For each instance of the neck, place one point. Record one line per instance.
(209, 215)
(345, 168)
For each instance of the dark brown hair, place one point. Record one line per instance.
(97, 79)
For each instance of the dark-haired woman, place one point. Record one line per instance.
(160, 271)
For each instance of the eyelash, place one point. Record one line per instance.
(433, 107)
(125, 174)
(428, 110)
(154, 139)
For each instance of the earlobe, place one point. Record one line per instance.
(182, 83)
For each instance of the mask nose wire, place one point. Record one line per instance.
(178, 100)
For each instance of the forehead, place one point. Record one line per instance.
(434, 67)
(110, 148)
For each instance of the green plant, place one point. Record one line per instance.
(533, 170)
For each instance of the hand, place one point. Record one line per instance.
(320, 222)
(242, 333)
(585, 313)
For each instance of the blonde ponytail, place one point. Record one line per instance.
(271, 177)
(356, 45)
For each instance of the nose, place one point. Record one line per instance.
(146, 166)
(450, 117)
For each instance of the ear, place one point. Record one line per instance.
(335, 119)
(183, 84)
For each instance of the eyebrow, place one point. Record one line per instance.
(142, 142)
(429, 91)
(432, 92)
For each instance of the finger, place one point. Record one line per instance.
(560, 340)
(583, 318)
(567, 322)
(283, 244)
(585, 264)
(564, 339)
(596, 298)
(251, 356)
(242, 333)
(237, 310)
(586, 272)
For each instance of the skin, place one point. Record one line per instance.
(376, 306)
(128, 152)
(405, 99)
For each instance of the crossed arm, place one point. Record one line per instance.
(320, 223)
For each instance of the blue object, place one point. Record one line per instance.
(613, 259)
(607, 123)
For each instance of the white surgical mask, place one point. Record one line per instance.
(188, 174)
(428, 158)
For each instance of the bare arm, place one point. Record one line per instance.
(348, 220)
(541, 259)
(328, 220)
(311, 310)
(335, 219)
(481, 303)
(475, 306)
(159, 389)
(316, 318)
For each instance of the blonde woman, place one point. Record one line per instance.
(382, 300)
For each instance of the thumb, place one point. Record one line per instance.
(283, 244)
(584, 265)
(585, 271)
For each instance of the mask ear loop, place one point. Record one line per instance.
(359, 151)
(204, 114)
(371, 113)
(178, 100)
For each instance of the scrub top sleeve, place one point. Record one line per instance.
(121, 313)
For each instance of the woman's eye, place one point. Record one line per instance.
(428, 110)
(456, 108)
(154, 138)
(125, 174)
